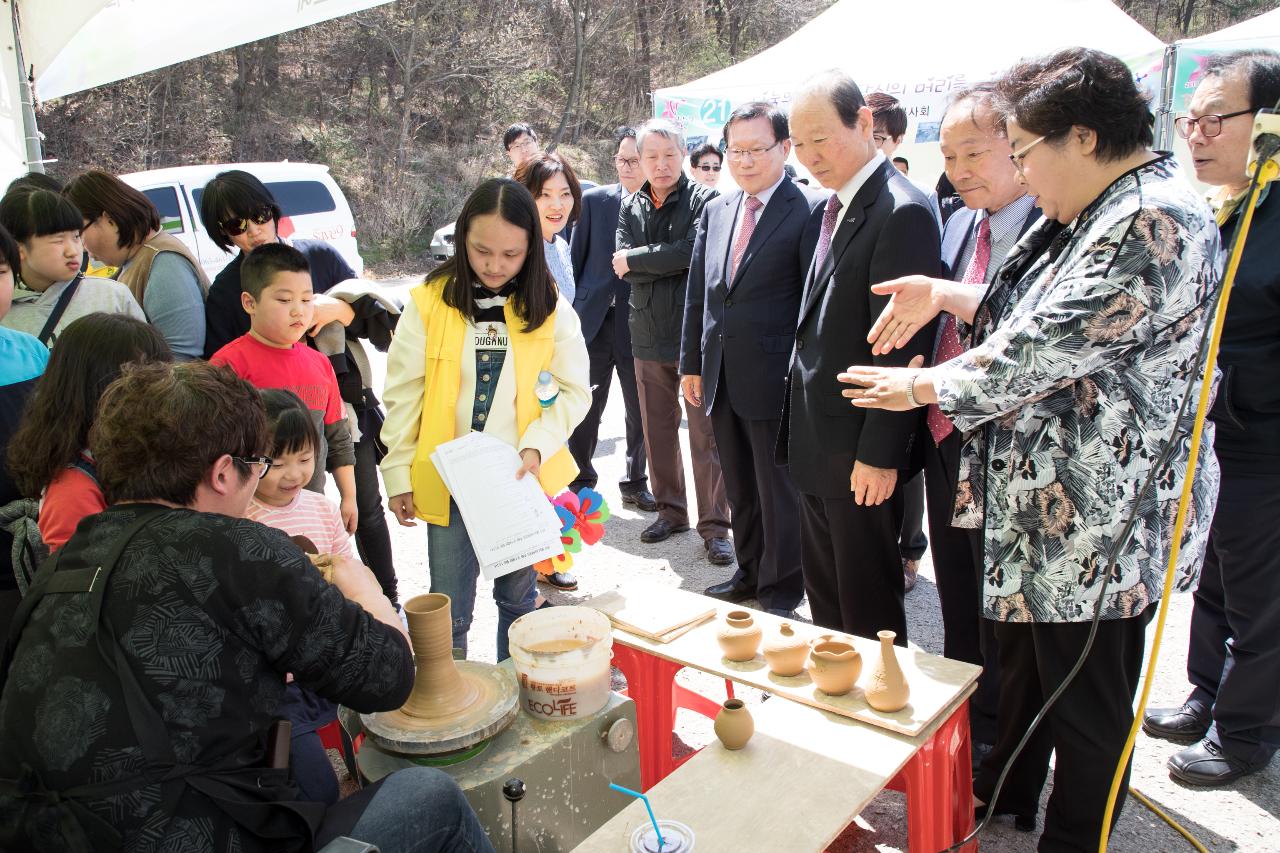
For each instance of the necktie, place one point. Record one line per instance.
(829, 217)
(744, 234)
(949, 345)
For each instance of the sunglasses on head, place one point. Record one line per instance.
(236, 227)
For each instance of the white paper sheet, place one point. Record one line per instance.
(511, 523)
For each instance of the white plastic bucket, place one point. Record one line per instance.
(562, 658)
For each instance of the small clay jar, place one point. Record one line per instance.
(785, 651)
(887, 689)
(834, 667)
(734, 725)
(739, 636)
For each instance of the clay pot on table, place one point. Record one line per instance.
(785, 651)
(739, 636)
(887, 689)
(834, 666)
(734, 725)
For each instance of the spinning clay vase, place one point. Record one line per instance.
(439, 691)
(887, 689)
(739, 636)
(834, 667)
(734, 725)
(785, 651)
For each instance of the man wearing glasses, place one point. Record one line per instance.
(705, 162)
(520, 141)
(601, 303)
(1232, 716)
(745, 279)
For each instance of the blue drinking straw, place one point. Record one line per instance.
(645, 800)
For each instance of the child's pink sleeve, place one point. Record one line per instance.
(340, 539)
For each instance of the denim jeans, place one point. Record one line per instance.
(420, 810)
(454, 569)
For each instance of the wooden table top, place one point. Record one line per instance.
(801, 779)
(936, 682)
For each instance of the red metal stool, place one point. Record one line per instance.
(938, 782)
(651, 684)
(334, 736)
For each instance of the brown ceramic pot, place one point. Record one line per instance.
(834, 667)
(739, 636)
(887, 689)
(785, 651)
(438, 689)
(734, 725)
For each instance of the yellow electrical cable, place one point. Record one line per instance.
(1167, 818)
(1269, 172)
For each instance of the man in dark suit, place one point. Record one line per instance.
(745, 281)
(601, 303)
(975, 241)
(845, 461)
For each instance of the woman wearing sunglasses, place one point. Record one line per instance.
(704, 164)
(239, 212)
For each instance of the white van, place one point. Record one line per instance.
(312, 205)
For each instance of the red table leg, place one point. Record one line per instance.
(938, 782)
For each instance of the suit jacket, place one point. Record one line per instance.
(592, 247)
(958, 227)
(748, 324)
(888, 230)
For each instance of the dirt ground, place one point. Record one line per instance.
(1240, 817)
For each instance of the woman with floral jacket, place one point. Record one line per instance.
(1083, 348)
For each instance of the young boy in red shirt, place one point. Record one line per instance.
(276, 293)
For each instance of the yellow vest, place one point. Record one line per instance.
(531, 353)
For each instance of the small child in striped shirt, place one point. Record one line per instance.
(282, 501)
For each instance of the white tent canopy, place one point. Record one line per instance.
(917, 50)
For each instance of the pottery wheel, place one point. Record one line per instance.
(494, 707)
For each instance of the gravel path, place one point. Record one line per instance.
(1241, 817)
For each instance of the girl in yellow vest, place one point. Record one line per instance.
(466, 356)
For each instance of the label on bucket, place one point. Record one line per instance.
(549, 699)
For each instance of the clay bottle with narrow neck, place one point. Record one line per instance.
(438, 689)
(887, 689)
(785, 651)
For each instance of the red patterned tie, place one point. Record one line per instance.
(949, 345)
(829, 217)
(745, 231)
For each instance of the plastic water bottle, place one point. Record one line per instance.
(547, 389)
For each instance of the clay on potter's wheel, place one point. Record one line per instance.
(452, 703)
(785, 651)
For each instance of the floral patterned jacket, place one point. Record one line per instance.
(1081, 354)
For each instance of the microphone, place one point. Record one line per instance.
(1265, 144)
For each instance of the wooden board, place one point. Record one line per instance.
(935, 681)
(651, 611)
(801, 779)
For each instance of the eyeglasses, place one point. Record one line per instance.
(249, 461)
(879, 138)
(736, 154)
(1018, 156)
(1210, 125)
(627, 162)
(236, 227)
(707, 167)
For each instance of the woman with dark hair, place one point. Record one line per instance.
(49, 456)
(705, 163)
(239, 212)
(555, 189)
(467, 355)
(52, 290)
(122, 230)
(1082, 350)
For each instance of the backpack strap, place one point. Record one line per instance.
(59, 309)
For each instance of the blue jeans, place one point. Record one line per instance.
(420, 810)
(454, 569)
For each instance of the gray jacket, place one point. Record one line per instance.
(659, 244)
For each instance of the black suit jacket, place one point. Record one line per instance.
(748, 324)
(887, 231)
(592, 246)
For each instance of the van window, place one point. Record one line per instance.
(296, 198)
(166, 201)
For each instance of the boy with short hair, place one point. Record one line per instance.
(276, 294)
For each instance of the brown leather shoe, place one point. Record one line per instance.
(909, 570)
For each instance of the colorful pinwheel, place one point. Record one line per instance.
(586, 512)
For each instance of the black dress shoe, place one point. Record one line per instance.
(730, 591)
(719, 551)
(978, 752)
(660, 530)
(1184, 724)
(784, 614)
(1023, 822)
(1205, 764)
(560, 580)
(641, 499)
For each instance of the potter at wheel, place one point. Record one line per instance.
(454, 704)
